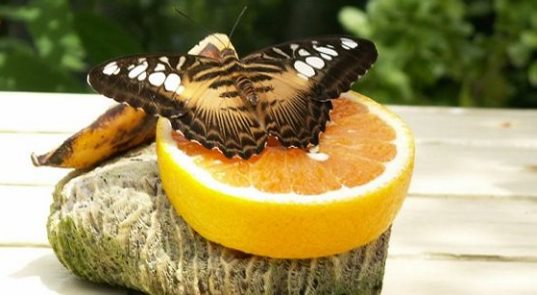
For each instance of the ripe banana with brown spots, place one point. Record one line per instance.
(120, 128)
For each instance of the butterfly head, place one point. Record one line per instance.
(217, 41)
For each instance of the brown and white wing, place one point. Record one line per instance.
(289, 111)
(187, 90)
(297, 80)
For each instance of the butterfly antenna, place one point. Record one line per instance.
(236, 23)
(207, 31)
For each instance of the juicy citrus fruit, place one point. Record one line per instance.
(293, 203)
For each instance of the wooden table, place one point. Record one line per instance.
(469, 224)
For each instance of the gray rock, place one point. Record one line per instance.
(114, 225)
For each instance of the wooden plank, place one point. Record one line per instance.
(23, 215)
(460, 151)
(55, 112)
(506, 229)
(468, 170)
(488, 227)
(448, 277)
(482, 152)
(49, 112)
(441, 169)
(472, 125)
(37, 271)
(17, 167)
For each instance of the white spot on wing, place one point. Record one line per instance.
(130, 67)
(160, 67)
(315, 62)
(173, 81)
(348, 43)
(304, 69)
(110, 69)
(164, 59)
(280, 52)
(156, 79)
(303, 52)
(142, 76)
(325, 50)
(138, 70)
(326, 56)
(181, 62)
(293, 46)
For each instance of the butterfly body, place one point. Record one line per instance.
(232, 73)
(235, 104)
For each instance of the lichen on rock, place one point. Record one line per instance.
(114, 225)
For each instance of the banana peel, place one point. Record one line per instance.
(119, 129)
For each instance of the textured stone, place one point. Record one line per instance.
(114, 225)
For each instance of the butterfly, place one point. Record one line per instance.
(233, 104)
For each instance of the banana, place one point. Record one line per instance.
(118, 129)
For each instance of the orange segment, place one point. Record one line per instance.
(294, 203)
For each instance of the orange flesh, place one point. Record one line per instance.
(356, 143)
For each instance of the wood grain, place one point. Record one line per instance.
(461, 277)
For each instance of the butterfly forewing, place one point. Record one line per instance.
(303, 76)
(154, 83)
(185, 89)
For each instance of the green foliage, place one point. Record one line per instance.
(458, 52)
(56, 53)
(470, 53)
(49, 45)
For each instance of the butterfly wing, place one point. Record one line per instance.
(186, 90)
(297, 80)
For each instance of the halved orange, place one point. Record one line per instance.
(293, 203)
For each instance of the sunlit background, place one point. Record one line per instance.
(434, 52)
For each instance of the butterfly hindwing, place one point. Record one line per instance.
(186, 90)
(303, 77)
(291, 112)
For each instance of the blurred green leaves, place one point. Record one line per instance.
(469, 53)
(61, 46)
(458, 52)
(102, 38)
(49, 45)
(46, 64)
